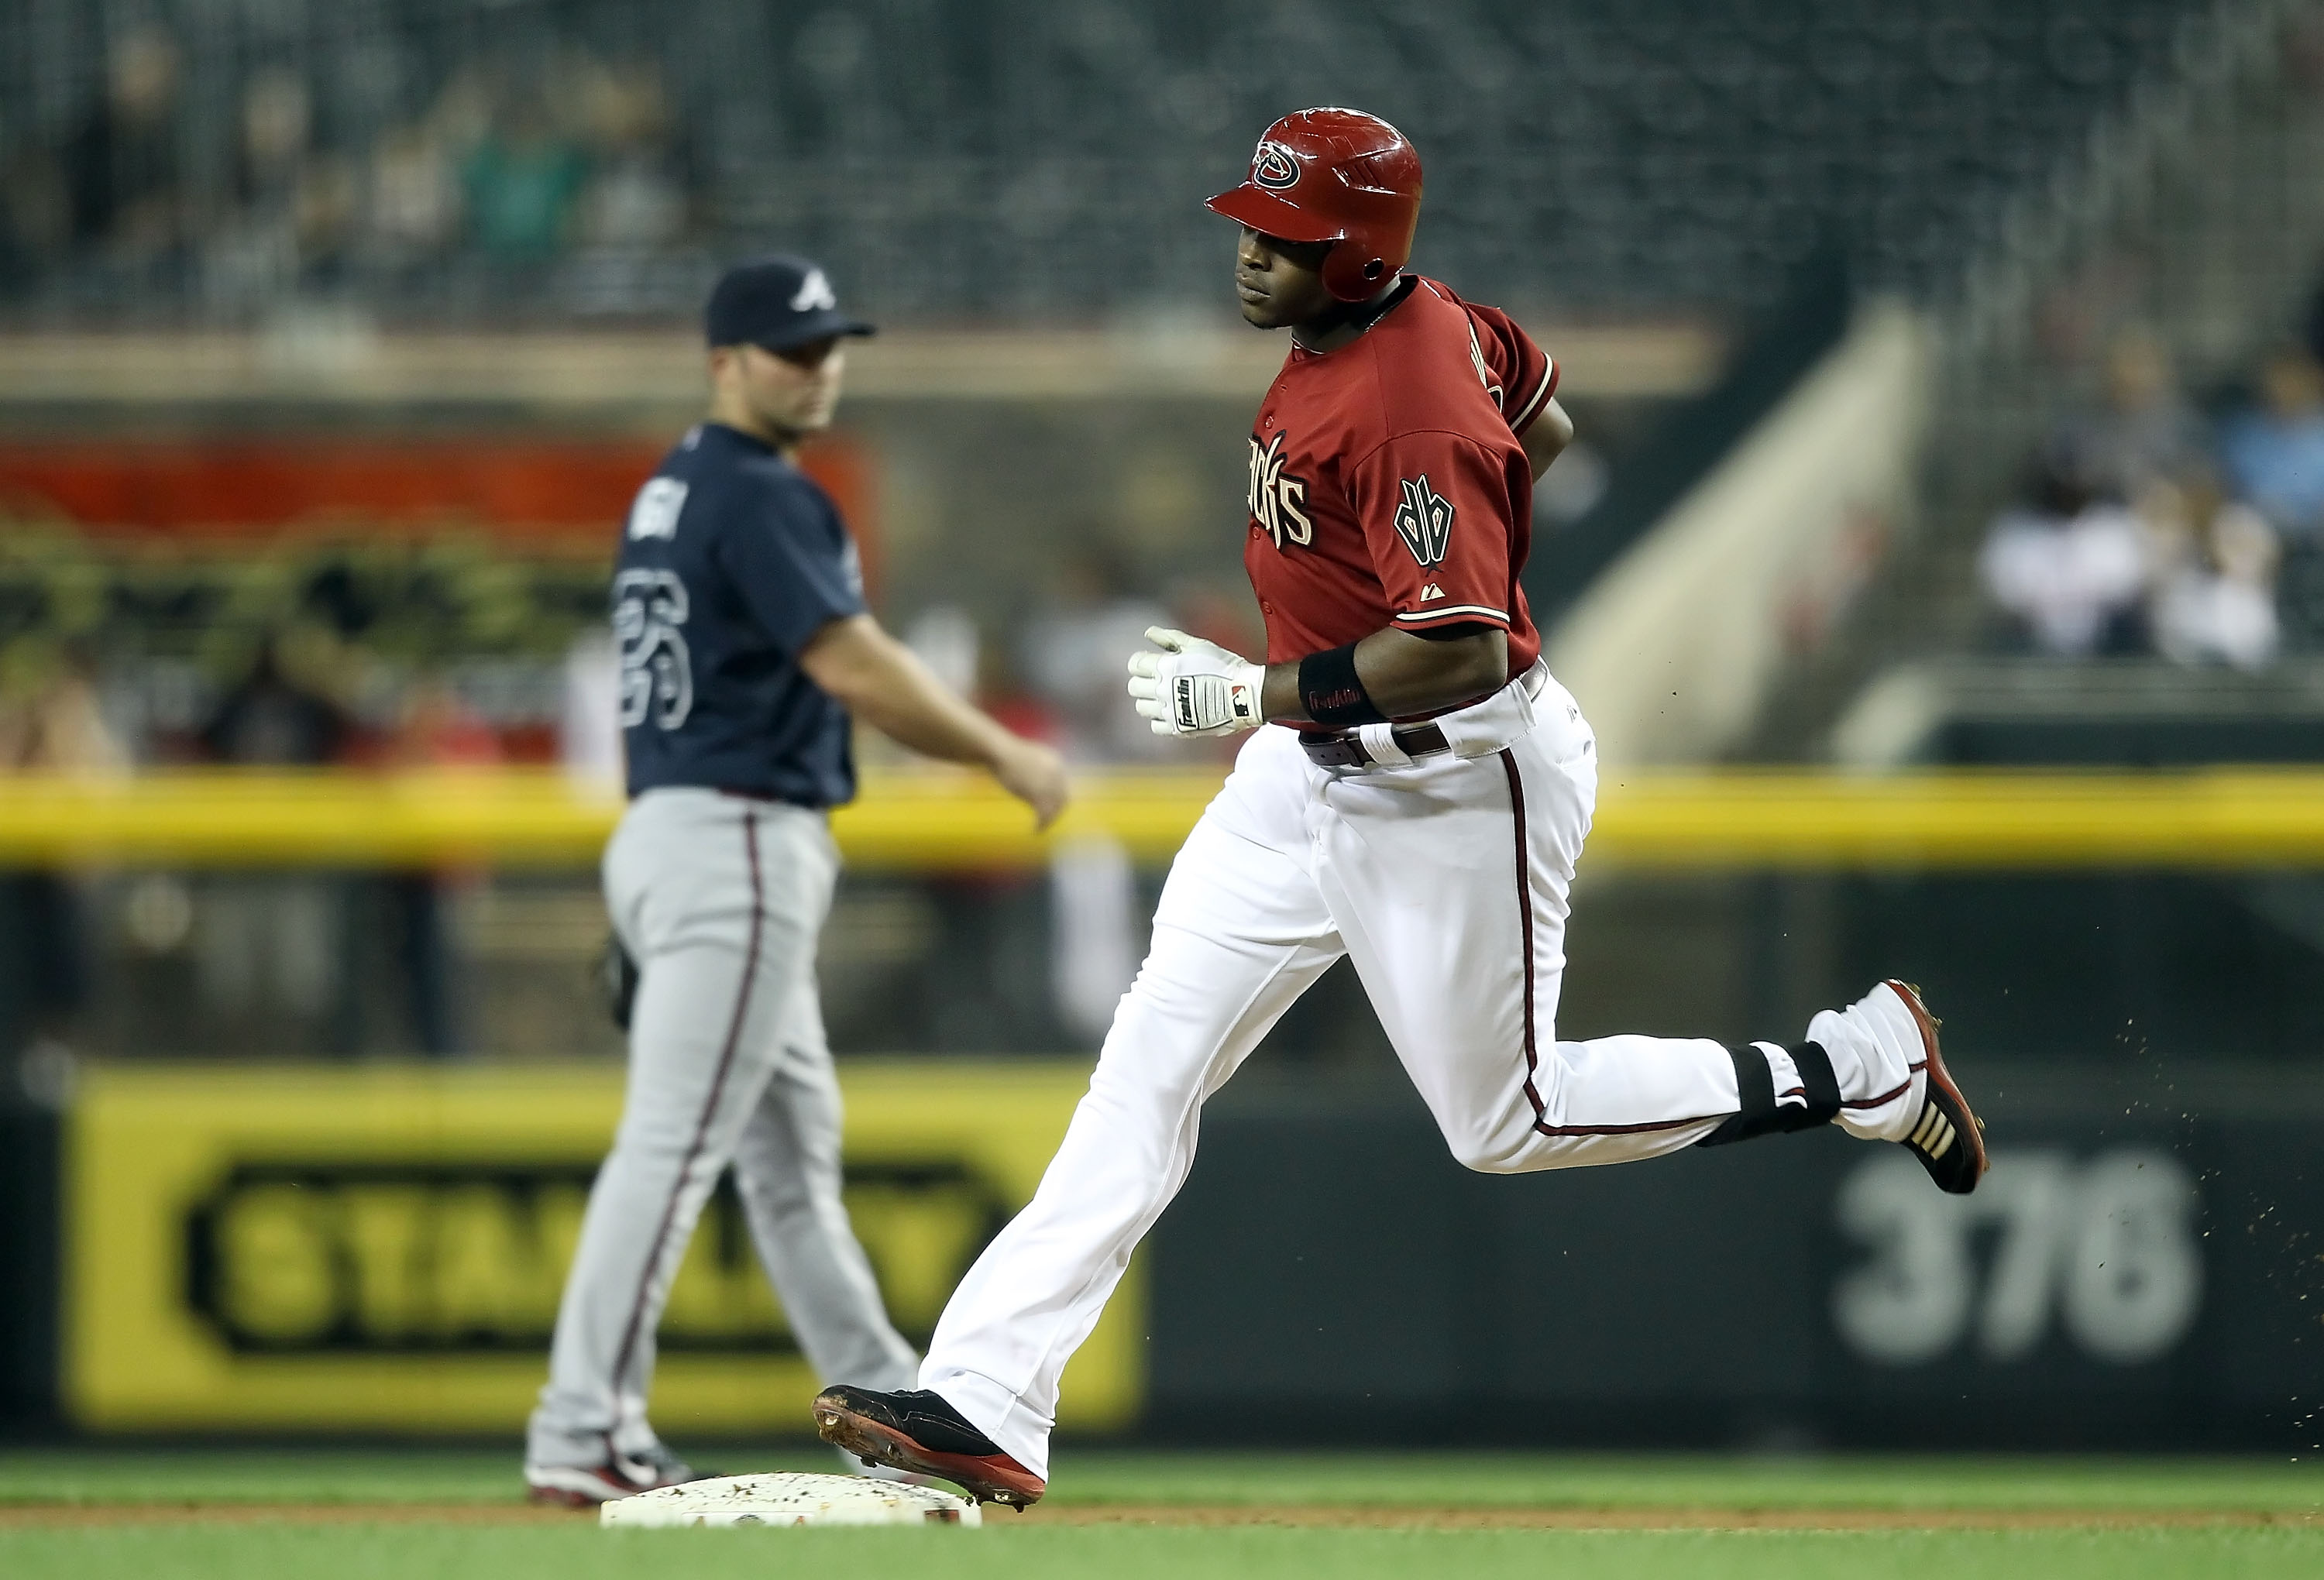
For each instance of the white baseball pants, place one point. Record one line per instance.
(1446, 882)
(720, 899)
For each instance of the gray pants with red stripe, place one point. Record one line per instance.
(720, 899)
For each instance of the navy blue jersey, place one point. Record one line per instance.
(731, 560)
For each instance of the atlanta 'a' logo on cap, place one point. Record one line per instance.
(1274, 167)
(814, 294)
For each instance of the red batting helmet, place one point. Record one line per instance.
(1335, 176)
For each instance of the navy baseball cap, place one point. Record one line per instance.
(778, 302)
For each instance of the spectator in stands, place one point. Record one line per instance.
(2274, 460)
(2070, 568)
(637, 208)
(415, 203)
(278, 945)
(52, 719)
(1071, 652)
(2143, 432)
(636, 199)
(436, 730)
(416, 176)
(121, 163)
(276, 120)
(50, 723)
(35, 215)
(2274, 455)
(294, 208)
(271, 720)
(2215, 597)
(521, 183)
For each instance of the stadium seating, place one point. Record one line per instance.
(988, 159)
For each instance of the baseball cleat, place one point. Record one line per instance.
(871, 1469)
(1948, 1139)
(919, 1430)
(624, 1475)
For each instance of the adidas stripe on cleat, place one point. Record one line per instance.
(1948, 1138)
(1935, 1135)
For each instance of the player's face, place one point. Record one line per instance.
(1278, 282)
(794, 389)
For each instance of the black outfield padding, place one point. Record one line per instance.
(1767, 1112)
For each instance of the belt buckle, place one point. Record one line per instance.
(1334, 751)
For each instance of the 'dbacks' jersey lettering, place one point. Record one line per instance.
(1387, 482)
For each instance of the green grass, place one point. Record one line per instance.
(1668, 1481)
(1131, 1553)
(1005, 1550)
(88, 1476)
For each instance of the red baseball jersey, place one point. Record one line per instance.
(1388, 486)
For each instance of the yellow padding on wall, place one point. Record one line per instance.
(940, 820)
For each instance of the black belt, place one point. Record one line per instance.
(766, 797)
(1347, 750)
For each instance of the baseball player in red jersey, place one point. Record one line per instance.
(1416, 801)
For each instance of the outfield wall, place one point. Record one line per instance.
(336, 1253)
(2141, 1270)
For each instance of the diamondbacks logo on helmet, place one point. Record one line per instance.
(1274, 167)
(1424, 521)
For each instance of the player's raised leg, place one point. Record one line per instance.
(1241, 933)
(1460, 943)
(1462, 953)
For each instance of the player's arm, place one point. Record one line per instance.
(1194, 687)
(1545, 440)
(1529, 377)
(883, 682)
(1404, 672)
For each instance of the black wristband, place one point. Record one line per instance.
(1332, 692)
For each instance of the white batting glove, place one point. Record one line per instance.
(1194, 687)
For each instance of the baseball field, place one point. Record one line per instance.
(95, 1514)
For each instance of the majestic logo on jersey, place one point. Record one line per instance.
(1274, 167)
(814, 294)
(655, 515)
(1277, 499)
(649, 611)
(1424, 521)
(1484, 373)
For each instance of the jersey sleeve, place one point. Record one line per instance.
(1438, 510)
(1509, 362)
(791, 560)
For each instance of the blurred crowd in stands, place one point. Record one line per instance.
(182, 160)
(363, 667)
(2147, 524)
(268, 944)
(503, 174)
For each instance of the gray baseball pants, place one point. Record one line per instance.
(720, 899)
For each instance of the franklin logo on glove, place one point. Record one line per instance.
(1194, 687)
